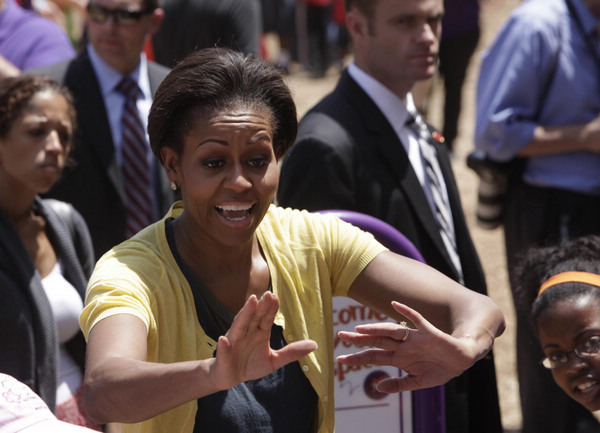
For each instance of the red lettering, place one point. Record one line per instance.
(342, 369)
(356, 313)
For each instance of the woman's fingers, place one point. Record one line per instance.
(243, 319)
(293, 352)
(267, 309)
(431, 356)
(384, 335)
(368, 357)
(399, 384)
(413, 315)
(256, 314)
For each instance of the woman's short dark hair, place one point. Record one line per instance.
(539, 264)
(213, 80)
(17, 92)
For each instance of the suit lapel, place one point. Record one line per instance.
(393, 156)
(92, 116)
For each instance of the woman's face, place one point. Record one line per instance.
(33, 153)
(227, 173)
(563, 327)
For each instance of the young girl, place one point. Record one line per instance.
(560, 289)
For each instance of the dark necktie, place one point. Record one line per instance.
(135, 167)
(434, 189)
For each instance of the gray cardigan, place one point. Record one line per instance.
(28, 337)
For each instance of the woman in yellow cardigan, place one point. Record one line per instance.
(218, 318)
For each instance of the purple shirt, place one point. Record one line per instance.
(28, 40)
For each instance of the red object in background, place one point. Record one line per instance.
(149, 49)
(263, 47)
(339, 13)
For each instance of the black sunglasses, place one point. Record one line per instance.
(122, 17)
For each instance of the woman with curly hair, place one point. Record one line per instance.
(46, 253)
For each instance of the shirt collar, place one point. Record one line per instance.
(393, 108)
(108, 77)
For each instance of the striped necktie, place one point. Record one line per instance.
(135, 166)
(434, 189)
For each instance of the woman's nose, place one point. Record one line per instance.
(237, 179)
(53, 142)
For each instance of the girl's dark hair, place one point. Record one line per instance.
(539, 264)
(17, 92)
(214, 80)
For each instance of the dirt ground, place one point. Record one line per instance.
(490, 245)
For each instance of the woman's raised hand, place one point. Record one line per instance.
(429, 356)
(244, 353)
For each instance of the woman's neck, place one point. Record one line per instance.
(18, 212)
(15, 203)
(231, 274)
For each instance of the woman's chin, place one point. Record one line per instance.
(594, 406)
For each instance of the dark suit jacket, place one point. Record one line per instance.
(347, 156)
(28, 337)
(94, 185)
(192, 25)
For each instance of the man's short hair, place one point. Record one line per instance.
(365, 7)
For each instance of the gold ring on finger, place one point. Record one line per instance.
(406, 331)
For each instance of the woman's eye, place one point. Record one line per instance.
(555, 356)
(592, 345)
(403, 21)
(37, 132)
(258, 162)
(213, 163)
(65, 137)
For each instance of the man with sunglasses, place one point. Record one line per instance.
(98, 183)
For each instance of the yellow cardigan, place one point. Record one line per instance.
(311, 258)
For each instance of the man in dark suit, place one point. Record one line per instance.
(97, 183)
(358, 149)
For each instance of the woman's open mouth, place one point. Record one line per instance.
(235, 213)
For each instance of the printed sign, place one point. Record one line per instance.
(359, 407)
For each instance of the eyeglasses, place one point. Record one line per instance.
(589, 347)
(123, 17)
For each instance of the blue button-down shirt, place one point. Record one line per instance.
(540, 71)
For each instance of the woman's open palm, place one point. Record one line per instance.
(244, 353)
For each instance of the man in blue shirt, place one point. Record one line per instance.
(538, 97)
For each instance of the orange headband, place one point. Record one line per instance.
(570, 277)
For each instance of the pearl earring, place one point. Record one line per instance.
(173, 186)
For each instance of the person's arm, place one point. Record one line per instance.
(7, 69)
(551, 140)
(121, 386)
(452, 327)
(508, 103)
